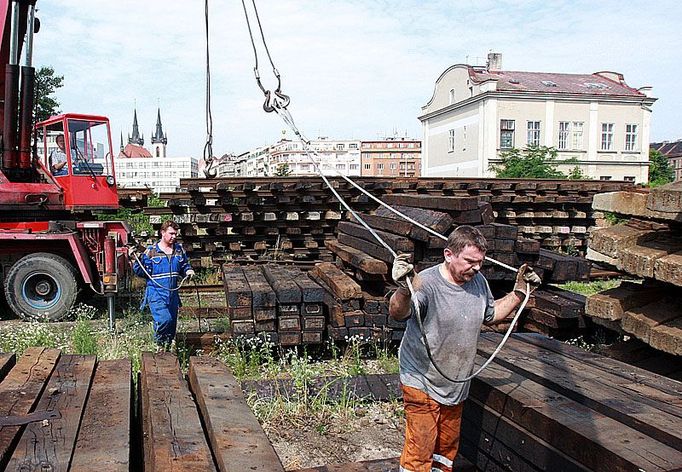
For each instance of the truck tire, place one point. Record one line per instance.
(41, 286)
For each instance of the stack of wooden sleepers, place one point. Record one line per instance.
(289, 307)
(552, 312)
(236, 219)
(648, 245)
(543, 405)
(133, 198)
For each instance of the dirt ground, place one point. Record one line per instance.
(376, 432)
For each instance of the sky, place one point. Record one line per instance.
(354, 69)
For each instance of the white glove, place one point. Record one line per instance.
(527, 276)
(401, 269)
(190, 274)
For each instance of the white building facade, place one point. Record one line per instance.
(288, 157)
(595, 121)
(161, 174)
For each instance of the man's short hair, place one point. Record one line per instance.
(169, 224)
(464, 236)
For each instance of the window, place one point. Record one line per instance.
(393, 166)
(452, 96)
(607, 136)
(506, 134)
(368, 166)
(604, 177)
(354, 166)
(533, 133)
(548, 83)
(464, 138)
(630, 137)
(564, 129)
(451, 140)
(353, 146)
(577, 135)
(340, 166)
(340, 147)
(629, 178)
(380, 166)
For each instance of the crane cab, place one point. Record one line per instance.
(76, 150)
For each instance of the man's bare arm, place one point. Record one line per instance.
(400, 304)
(505, 305)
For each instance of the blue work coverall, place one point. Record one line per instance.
(165, 271)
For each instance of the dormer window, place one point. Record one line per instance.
(452, 96)
(596, 85)
(548, 83)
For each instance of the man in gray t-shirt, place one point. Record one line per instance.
(453, 300)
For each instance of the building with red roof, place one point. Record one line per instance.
(595, 121)
(673, 151)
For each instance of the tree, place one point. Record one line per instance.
(534, 162)
(46, 85)
(660, 170)
(283, 170)
(576, 173)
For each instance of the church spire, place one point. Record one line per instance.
(159, 136)
(122, 147)
(136, 139)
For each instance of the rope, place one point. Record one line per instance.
(209, 171)
(149, 276)
(280, 107)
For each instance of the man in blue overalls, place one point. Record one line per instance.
(163, 264)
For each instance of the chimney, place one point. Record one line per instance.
(494, 61)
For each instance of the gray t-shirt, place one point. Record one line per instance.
(452, 316)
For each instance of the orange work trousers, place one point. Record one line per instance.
(431, 433)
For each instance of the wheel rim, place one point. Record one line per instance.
(41, 291)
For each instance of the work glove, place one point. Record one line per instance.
(190, 274)
(526, 279)
(401, 269)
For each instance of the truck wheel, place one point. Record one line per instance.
(41, 286)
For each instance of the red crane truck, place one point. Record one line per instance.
(51, 246)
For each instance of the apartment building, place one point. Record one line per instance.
(673, 151)
(595, 121)
(391, 157)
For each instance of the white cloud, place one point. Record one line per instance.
(354, 68)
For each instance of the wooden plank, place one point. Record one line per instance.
(357, 258)
(397, 243)
(311, 292)
(263, 296)
(433, 202)
(237, 439)
(588, 386)
(640, 320)
(669, 269)
(515, 447)
(667, 337)
(612, 303)
(342, 286)
(237, 290)
(667, 199)
(631, 379)
(610, 241)
(286, 289)
(438, 221)
(20, 391)
(7, 361)
(172, 431)
(368, 247)
(393, 225)
(48, 445)
(641, 257)
(594, 440)
(103, 442)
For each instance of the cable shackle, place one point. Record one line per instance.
(274, 99)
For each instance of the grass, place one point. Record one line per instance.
(247, 358)
(590, 288)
